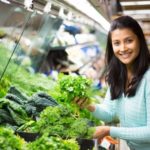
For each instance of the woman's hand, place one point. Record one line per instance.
(83, 103)
(101, 132)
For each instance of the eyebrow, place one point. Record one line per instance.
(119, 40)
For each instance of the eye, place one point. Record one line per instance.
(116, 43)
(129, 41)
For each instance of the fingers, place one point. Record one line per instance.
(81, 102)
(84, 103)
(101, 132)
(97, 133)
(76, 99)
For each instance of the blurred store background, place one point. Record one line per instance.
(63, 36)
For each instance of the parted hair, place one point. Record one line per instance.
(116, 72)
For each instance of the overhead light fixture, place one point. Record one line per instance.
(84, 6)
(69, 15)
(138, 12)
(61, 12)
(141, 16)
(47, 7)
(28, 4)
(39, 12)
(5, 1)
(135, 3)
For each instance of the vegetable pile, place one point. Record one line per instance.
(36, 103)
(9, 141)
(53, 143)
(60, 121)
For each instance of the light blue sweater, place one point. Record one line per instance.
(133, 113)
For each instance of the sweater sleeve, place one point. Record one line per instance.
(106, 110)
(142, 133)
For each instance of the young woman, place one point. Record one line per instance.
(128, 78)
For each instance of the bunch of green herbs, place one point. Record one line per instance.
(46, 142)
(60, 121)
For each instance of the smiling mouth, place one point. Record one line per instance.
(125, 55)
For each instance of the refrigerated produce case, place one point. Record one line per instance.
(30, 33)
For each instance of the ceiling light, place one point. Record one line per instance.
(131, 12)
(39, 12)
(85, 7)
(28, 3)
(61, 12)
(47, 7)
(135, 3)
(69, 15)
(5, 1)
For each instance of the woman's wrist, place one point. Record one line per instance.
(107, 130)
(101, 132)
(91, 107)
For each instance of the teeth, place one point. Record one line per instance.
(125, 55)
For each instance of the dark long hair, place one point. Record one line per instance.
(116, 71)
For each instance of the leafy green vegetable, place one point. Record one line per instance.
(4, 57)
(15, 91)
(15, 111)
(4, 85)
(53, 143)
(60, 121)
(41, 100)
(31, 83)
(5, 117)
(82, 87)
(14, 98)
(2, 33)
(9, 141)
(75, 86)
(17, 76)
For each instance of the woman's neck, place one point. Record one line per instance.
(130, 75)
(129, 72)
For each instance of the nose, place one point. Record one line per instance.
(123, 47)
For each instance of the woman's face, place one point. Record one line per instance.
(125, 45)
